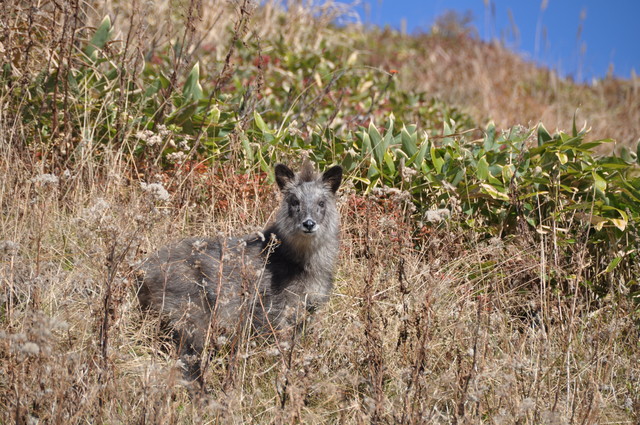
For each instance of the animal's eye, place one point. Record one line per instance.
(294, 202)
(321, 204)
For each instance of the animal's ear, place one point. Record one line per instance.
(284, 176)
(333, 177)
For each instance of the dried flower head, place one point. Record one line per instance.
(156, 191)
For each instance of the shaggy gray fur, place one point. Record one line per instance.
(209, 287)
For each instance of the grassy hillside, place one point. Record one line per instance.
(490, 82)
(489, 267)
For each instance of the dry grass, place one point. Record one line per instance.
(450, 334)
(455, 332)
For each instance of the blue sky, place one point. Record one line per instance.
(548, 31)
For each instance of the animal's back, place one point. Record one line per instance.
(205, 278)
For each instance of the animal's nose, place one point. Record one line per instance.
(309, 224)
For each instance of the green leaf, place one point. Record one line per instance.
(638, 152)
(153, 88)
(458, 178)
(562, 157)
(436, 160)
(613, 264)
(409, 145)
(388, 137)
(620, 223)
(448, 127)
(599, 183)
(260, 123)
(374, 172)
(448, 131)
(613, 164)
(543, 135)
(388, 160)
(507, 173)
(483, 169)
(625, 154)
(418, 158)
(366, 144)
(99, 39)
(490, 136)
(493, 192)
(265, 167)
(214, 114)
(182, 114)
(164, 80)
(532, 194)
(192, 89)
(248, 151)
(376, 142)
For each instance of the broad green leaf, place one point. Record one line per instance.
(419, 157)
(182, 114)
(153, 88)
(366, 144)
(248, 151)
(409, 145)
(599, 183)
(585, 147)
(388, 160)
(192, 89)
(73, 83)
(483, 169)
(532, 194)
(490, 136)
(493, 192)
(99, 39)
(436, 160)
(376, 142)
(507, 173)
(388, 137)
(260, 122)
(447, 127)
(164, 80)
(613, 264)
(373, 172)
(612, 164)
(625, 154)
(543, 135)
(458, 178)
(620, 223)
(214, 114)
(448, 131)
(265, 167)
(562, 157)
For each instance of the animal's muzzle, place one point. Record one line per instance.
(309, 225)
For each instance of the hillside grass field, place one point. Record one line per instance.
(490, 211)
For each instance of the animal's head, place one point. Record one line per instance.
(308, 205)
